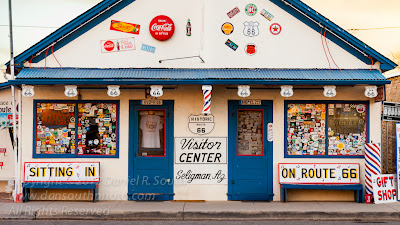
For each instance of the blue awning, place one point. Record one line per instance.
(47, 76)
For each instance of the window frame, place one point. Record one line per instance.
(326, 102)
(75, 155)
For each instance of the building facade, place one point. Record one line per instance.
(198, 100)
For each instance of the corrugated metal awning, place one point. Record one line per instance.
(188, 76)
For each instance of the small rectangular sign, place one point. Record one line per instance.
(125, 27)
(148, 48)
(384, 186)
(1, 163)
(3, 150)
(267, 15)
(231, 44)
(233, 12)
(270, 132)
(250, 102)
(62, 172)
(117, 45)
(319, 173)
(151, 101)
(391, 111)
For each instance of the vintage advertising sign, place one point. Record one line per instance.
(6, 114)
(233, 12)
(148, 48)
(62, 172)
(275, 28)
(251, 28)
(200, 160)
(231, 44)
(319, 173)
(124, 27)
(201, 124)
(250, 49)
(270, 132)
(227, 28)
(384, 186)
(267, 15)
(116, 45)
(162, 28)
(398, 157)
(251, 9)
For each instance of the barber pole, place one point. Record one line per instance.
(207, 99)
(372, 164)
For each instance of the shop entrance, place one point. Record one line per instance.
(150, 151)
(250, 152)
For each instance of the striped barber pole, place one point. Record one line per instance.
(372, 164)
(207, 99)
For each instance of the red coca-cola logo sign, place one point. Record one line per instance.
(109, 46)
(162, 28)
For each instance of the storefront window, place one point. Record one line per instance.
(347, 129)
(338, 129)
(97, 125)
(151, 133)
(55, 128)
(250, 132)
(306, 129)
(76, 128)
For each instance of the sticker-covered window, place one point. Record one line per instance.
(306, 129)
(55, 128)
(97, 128)
(250, 132)
(347, 129)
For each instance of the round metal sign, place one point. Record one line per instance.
(162, 28)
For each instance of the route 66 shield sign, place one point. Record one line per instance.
(251, 28)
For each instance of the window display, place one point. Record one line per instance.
(338, 129)
(347, 129)
(151, 132)
(55, 128)
(250, 132)
(97, 125)
(76, 128)
(306, 129)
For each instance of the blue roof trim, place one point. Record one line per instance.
(386, 64)
(39, 76)
(70, 26)
(5, 85)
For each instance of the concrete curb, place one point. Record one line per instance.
(223, 215)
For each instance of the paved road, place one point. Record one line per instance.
(148, 222)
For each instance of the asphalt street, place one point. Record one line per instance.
(160, 222)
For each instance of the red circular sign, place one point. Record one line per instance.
(162, 28)
(109, 46)
(275, 28)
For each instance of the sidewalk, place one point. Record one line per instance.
(232, 210)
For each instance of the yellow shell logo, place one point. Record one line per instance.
(227, 28)
(340, 146)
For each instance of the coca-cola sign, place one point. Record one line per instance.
(162, 28)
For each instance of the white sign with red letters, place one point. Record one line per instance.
(117, 45)
(384, 186)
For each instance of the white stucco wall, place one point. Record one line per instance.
(187, 101)
(297, 46)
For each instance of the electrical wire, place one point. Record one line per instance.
(55, 56)
(372, 62)
(45, 57)
(323, 46)
(30, 61)
(330, 51)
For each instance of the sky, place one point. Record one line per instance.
(35, 19)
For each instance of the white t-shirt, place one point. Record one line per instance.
(150, 126)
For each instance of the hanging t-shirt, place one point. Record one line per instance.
(150, 126)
